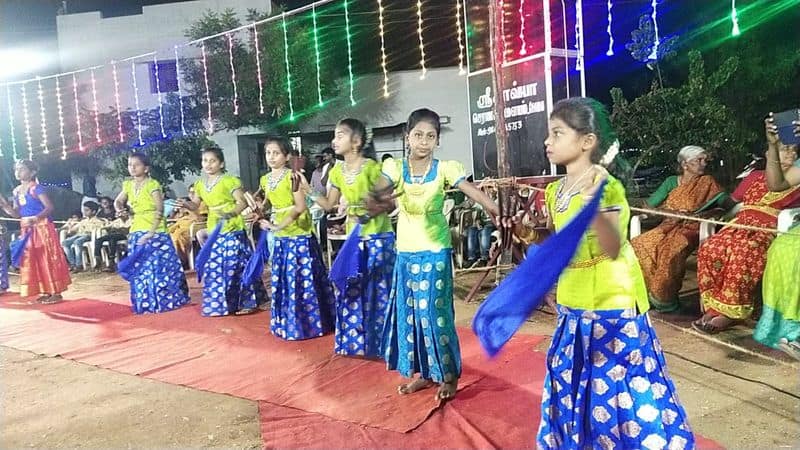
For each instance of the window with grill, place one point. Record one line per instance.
(167, 77)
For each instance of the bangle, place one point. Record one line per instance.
(772, 161)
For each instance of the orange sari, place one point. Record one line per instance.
(731, 263)
(43, 269)
(662, 251)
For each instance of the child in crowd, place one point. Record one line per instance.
(115, 231)
(79, 233)
(223, 290)
(302, 297)
(420, 333)
(361, 306)
(43, 269)
(607, 384)
(159, 284)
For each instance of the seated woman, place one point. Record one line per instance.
(731, 263)
(662, 251)
(179, 231)
(779, 325)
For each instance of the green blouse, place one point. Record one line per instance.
(421, 223)
(219, 199)
(282, 200)
(142, 205)
(355, 191)
(593, 280)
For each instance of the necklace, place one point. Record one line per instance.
(350, 175)
(210, 186)
(137, 186)
(563, 198)
(272, 180)
(419, 179)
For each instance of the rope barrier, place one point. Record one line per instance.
(657, 212)
(10, 219)
(512, 181)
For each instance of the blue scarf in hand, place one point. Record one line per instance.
(348, 260)
(523, 290)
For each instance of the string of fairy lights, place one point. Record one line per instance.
(10, 146)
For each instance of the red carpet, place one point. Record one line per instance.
(308, 398)
(499, 411)
(229, 355)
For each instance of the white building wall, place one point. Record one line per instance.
(88, 39)
(443, 90)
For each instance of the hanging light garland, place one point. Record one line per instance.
(460, 37)
(578, 37)
(654, 54)
(180, 91)
(503, 29)
(349, 52)
(258, 71)
(42, 115)
(116, 101)
(26, 120)
(523, 50)
(77, 111)
(421, 41)
(383, 50)
(158, 96)
(316, 50)
(610, 51)
(288, 69)
(96, 109)
(11, 123)
(136, 102)
(233, 75)
(734, 20)
(208, 93)
(61, 120)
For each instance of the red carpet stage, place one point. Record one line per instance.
(308, 397)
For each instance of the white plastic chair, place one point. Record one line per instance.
(787, 218)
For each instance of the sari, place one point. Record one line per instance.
(180, 232)
(43, 269)
(730, 263)
(662, 251)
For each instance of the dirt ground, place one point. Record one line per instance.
(742, 401)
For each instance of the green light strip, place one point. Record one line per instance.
(286, 59)
(349, 52)
(316, 51)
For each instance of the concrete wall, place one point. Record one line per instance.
(88, 39)
(443, 90)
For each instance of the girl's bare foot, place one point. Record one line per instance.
(50, 299)
(447, 390)
(416, 385)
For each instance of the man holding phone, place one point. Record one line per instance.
(777, 179)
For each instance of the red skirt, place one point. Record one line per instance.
(44, 267)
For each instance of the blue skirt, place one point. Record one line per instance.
(302, 295)
(420, 333)
(223, 291)
(160, 284)
(361, 309)
(3, 262)
(607, 386)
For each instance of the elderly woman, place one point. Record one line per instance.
(779, 325)
(662, 251)
(731, 263)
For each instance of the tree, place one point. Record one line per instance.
(663, 120)
(171, 156)
(273, 69)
